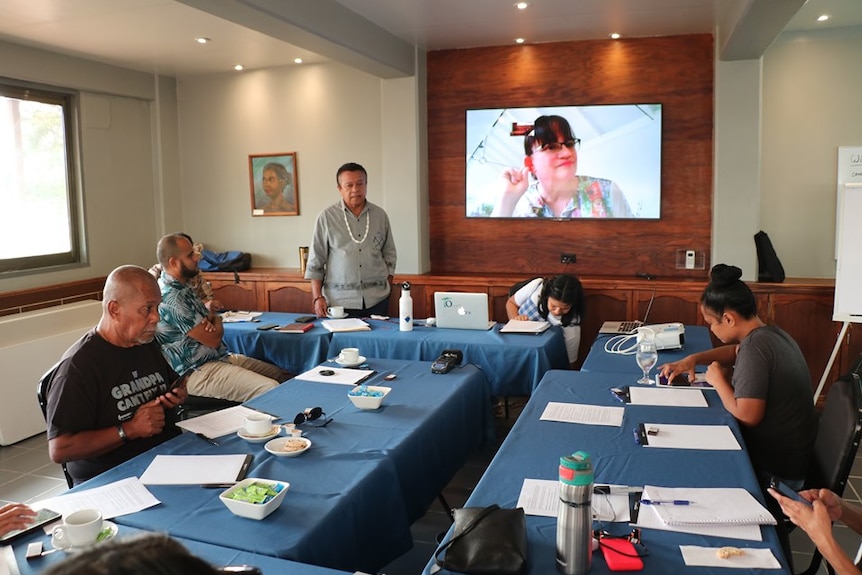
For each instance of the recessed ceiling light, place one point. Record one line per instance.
(521, 5)
(614, 36)
(823, 18)
(202, 40)
(238, 67)
(297, 60)
(519, 40)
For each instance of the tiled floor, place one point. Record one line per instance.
(26, 474)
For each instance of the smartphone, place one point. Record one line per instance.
(266, 326)
(620, 554)
(305, 319)
(786, 491)
(43, 516)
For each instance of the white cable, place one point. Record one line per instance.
(616, 343)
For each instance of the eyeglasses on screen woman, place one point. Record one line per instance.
(556, 147)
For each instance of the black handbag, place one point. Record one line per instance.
(486, 541)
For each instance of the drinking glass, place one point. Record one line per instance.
(646, 356)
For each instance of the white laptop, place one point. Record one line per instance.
(625, 327)
(457, 310)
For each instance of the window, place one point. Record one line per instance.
(39, 191)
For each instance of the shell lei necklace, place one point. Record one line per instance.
(350, 232)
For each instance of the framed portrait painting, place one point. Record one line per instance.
(274, 184)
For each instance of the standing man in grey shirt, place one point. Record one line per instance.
(352, 257)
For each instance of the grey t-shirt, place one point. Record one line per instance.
(770, 366)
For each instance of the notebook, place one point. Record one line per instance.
(457, 310)
(521, 326)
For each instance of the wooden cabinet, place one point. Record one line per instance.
(233, 295)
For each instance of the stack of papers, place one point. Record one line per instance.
(349, 324)
(519, 326)
(238, 316)
(674, 436)
(218, 423)
(340, 375)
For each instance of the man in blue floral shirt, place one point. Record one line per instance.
(191, 336)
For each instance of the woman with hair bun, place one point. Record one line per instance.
(761, 377)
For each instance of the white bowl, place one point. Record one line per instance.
(254, 510)
(368, 402)
(278, 446)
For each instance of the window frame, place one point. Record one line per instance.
(69, 100)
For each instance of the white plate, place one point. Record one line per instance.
(273, 432)
(342, 316)
(356, 363)
(276, 446)
(105, 525)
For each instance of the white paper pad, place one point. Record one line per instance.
(193, 469)
(648, 518)
(541, 497)
(580, 413)
(341, 375)
(349, 324)
(239, 316)
(751, 559)
(675, 397)
(8, 561)
(710, 505)
(521, 326)
(218, 423)
(113, 500)
(718, 437)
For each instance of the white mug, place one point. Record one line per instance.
(335, 310)
(79, 528)
(257, 424)
(349, 355)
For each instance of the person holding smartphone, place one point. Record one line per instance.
(815, 517)
(15, 516)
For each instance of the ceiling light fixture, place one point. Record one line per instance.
(238, 67)
(519, 40)
(297, 60)
(614, 36)
(823, 18)
(202, 40)
(521, 5)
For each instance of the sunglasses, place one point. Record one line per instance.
(310, 414)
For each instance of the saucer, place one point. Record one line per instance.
(273, 432)
(108, 532)
(342, 316)
(356, 363)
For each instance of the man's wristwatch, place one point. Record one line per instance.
(121, 432)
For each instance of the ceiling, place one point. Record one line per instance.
(157, 36)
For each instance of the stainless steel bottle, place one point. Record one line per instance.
(575, 517)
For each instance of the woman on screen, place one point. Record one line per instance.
(548, 186)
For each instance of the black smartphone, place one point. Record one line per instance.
(43, 516)
(266, 326)
(305, 319)
(786, 491)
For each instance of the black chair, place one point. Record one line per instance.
(42, 390)
(836, 444)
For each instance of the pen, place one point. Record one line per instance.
(217, 485)
(207, 439)
(666, 502)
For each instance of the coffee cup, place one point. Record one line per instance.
(79, 528)
(335, 310)
(349, 355)
(257, 424)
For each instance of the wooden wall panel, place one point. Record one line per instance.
(674, 71)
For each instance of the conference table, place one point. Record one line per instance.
(697, 339)
(533, 449)
(354, 494)
(513, 363)
(294, 352)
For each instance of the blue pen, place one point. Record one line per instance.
(666, 502)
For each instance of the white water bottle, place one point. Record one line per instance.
(405, 309)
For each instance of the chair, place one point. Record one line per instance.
(42, 390)
(836, 443)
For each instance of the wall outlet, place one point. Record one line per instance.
(567, 258)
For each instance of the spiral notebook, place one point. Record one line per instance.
(706, 506)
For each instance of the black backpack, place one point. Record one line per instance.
(225, 262)
(769, 268)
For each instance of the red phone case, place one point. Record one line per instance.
(620, 554)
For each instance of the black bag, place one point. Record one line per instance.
(486, 541)
(225, 262)
(769, 268)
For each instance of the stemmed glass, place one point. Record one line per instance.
(646, 356)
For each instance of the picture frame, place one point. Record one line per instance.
(274, 184)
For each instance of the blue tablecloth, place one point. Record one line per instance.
(513, 363)
(533, 449)
(294, 352)
(696, 339)
(367, 476)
